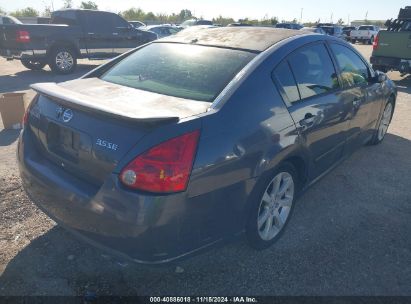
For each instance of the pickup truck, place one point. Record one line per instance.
(392, 47)
(72, 34)
(364, 34)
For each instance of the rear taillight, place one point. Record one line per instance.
(23, 36)
(376, 42)
(164, 168)
(26, 117)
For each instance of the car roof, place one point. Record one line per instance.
(255, 39)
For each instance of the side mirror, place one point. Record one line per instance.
(379, 77)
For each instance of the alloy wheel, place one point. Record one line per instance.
(275, 206)
(385, 121)
(64, 60)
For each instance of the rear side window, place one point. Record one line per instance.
(64, 17)
(353, 69)
(285, 79)
(313, 71)
(99, 22)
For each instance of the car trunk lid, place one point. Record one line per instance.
(87, 125)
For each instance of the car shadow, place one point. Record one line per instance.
(404, 85)
(7, 137)
(349, 235)
(22, 80)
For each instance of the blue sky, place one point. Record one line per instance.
(287, 10)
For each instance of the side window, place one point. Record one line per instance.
(99, 22)
(353, 69)
(285, 79)
(119, 22)
(313, 71)
(64, 17)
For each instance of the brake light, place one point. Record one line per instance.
(376, 42)
(164, 168)
(23, 36)
(26, 117)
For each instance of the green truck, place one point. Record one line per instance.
(392, 47)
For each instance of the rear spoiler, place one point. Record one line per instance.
(74, 99)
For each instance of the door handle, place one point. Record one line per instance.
(90, 33)
(356, 102)
(308, 121)
(115, 34)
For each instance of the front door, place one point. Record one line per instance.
(362, 92)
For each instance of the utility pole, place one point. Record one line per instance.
(348, 20)
(332, 15)
(301, 16)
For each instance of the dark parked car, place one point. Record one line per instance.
(333, 30)
(162, 30)
(190, 140)
(347, 31)
(239, 24)
(194, 22)
(73, 34)
(290, 26)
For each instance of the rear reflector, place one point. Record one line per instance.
(376, 42)
(23, 36)
(164, 168)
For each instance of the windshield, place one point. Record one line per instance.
(328, 29)
(180, 70)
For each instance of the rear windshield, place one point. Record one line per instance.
(180, 70)
(366, 28)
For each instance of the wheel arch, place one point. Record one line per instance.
(64, 43)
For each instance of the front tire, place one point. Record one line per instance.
(384, 123)
(35, 65)
(62, 60)
(272, 205)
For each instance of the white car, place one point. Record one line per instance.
(364, 34)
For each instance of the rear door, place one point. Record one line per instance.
(98, 29)
(359, 90)
(309, 84)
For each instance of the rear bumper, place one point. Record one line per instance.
(397, 64)
(144, 228)
(22, 54)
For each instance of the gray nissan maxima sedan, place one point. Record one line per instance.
(193, 139)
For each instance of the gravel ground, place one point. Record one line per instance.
(349, 235)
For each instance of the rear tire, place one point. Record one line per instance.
(371, 41)
(381, 131)
(272, 202)
(62, 60)
(34, 65)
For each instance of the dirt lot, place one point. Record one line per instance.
(349, 235)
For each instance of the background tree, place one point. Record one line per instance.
(133, 14)
(185, 14)
(46, 12)
(2, 12)
(89, 5)
(223, 20)
(25, 12)
(340, 21)
(68, 4)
